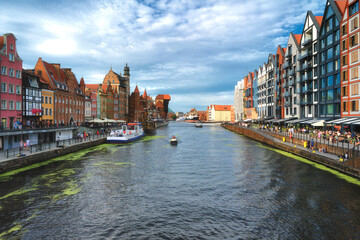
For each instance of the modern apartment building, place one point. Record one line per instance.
(329, 60)
(307, 67)
(239, 100)
(290, 78)
(11, 82)
(279, 60)
(349, 33)
(261, 91)
(270, 87)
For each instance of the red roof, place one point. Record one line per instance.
(136, 90)
(222, 107)
(92, 86)
(298, 38)
(341, 4)
(163, 96)
(284, 49)
(319, 19)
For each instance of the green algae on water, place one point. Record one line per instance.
(72, 189)
(15, 228)
(18, 192)
(149, 138)
(317, 165)
(114, 163)
(69, 157)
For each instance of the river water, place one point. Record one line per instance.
(213, 185)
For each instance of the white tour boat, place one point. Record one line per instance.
(128, 133)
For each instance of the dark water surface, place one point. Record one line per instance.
(213, 185)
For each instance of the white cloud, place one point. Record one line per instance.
(169, 44)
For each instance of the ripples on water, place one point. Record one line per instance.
(213, 185)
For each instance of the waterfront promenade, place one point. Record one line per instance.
(296, 146)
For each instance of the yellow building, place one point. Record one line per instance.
(220, 113)
(47, 105)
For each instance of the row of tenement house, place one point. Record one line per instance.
(316, 75)
(213, 113)
(50, 95)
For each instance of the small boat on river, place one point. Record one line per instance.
(198, 125)
(128, 133)
(173, 141)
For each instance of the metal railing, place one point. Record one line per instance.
(18, 151)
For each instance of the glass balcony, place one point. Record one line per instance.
(306, 41)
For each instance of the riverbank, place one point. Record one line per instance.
(326, 159)
(19, 162)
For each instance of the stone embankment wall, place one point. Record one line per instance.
(16, 163)
(337, 165)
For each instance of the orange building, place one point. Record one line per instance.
(162, 104)
(69, 99)
(203, 116)
(350, 79)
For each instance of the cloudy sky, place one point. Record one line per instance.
(194, 50)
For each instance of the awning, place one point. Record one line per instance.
(346, 121)
(357, 122)
(282, 120)
(247, 120)
(318, 124)
(298, 120)
(268, 119)
(315, 120)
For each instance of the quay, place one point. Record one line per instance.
(330, 159)
(38, 157)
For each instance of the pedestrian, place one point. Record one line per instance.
(312, 144)
(27, 144)
(308, 145)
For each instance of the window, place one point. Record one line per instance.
(354, 105)
(18, 106)
(46, 101)
(11, 57)
(11, 46)
(50, 111)
(3, 87)
(354, 56)
(322, 70)
(42, 99)
(344, 60)
(344, 92)
(50, 100)
(322, 43)
(330, 81)
(344, 44)
(3, 70)
(46, 111)
(55, 99)
(330, 94)
(354, 23)
(11, 72)
(330, 109)
(337, 50)
(354, 73)
(329, 53)
(337, 35)
(344, 109)
(337, 64)
(11, 105)
(343, 29)
(328, 25)
(3, 104)
(315, 47)
(354, 89)
(322, 96)
(18, 89)
(329, 39)
(353, 8)
(337, 79)
(354, 40)
(329, 67)
(11, 88)
(18, 74)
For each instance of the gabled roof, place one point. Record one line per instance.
(222, 107)
(319, 19)
(298, 38)
(341, 4)
(92, 86)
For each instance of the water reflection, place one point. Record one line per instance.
(213, 185)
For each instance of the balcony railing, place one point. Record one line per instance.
(306, 41)
(305, 54)
(291, 82)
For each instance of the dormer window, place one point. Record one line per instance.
(11, 46)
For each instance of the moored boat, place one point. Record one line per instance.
(198, 125)
(128, 133)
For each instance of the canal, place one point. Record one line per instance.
(213, 185)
